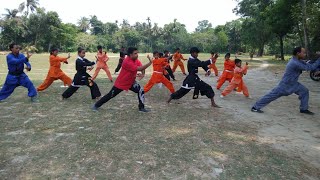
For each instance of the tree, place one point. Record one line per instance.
(203, 26)
(31, 5)
(10, 13)
(83, 24)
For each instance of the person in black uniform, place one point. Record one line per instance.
(193, 81)
(82, 77)
(168, 68)
(122, 56)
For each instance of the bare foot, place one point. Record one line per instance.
(170, 98)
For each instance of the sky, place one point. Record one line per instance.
(218, 12)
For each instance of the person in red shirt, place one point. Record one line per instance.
(227, 73)
(159, 65)
(102, 59)
(213, 67)
(126, 79)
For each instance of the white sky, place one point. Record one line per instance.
(188, 12)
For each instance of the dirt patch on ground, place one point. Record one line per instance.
(281, 126)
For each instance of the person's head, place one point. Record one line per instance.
(54, 51)
(216, 55)
(133, 53)
(81, 52)
(212, 53)
(122, 48)
(237, 62)
(299, 52)
(178, 50)
(14, 48)
(155, 54)
(194, 51)
(166, 52)
(99, 48)
(227, 56)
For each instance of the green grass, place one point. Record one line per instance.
(56, 139)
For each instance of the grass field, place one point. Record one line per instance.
(186, 139)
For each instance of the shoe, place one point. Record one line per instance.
(34, 99)
(184, 74)
(306, 112)
(143, 110)
(94, 108)
(253, 109)
(111, 80)
(222, 96)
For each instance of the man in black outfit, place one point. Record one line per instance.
(193, 81)
(82, 77)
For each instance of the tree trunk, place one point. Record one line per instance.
(281, 47)
(260, 52)
(304, 26)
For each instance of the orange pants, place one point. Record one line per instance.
(233, 85)
(226, 76)
(213, 68)
(105, 68)
(158, 78)
(49, 80)
(180, 64)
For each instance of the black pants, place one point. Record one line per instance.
(119, 65)
(204, 88)
(95, 92)
(170, 73)
(115, 91)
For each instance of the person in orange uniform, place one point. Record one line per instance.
(102, 59)
(227, 73)
(177, 57)
(237, 79)
(159, 65)
(55, 71)
(213, 67)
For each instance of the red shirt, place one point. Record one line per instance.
(127, 74)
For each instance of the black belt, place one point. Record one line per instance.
(15, 73)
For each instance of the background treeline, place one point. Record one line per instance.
(265, 27)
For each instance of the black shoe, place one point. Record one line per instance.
(143, 110)
(306, 112)
(256, 110)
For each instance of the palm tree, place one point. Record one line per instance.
(31, 5)
(84, 24)
(11, 13)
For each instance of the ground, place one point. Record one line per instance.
(186, 139)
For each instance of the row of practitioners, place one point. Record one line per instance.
(131, 65)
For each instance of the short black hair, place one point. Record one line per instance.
(131, 50)
(161, 54)
(99, 47)
(177, 49)
(80, 49)
(213, 53)
(53, 49)
(11, 46)
(236, 61)
(228, 54)
(165, 51)
(155, 52)
(296, 50)
(194, 50)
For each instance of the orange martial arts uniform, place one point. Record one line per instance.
(213, 66)
(227, 73)
(157, 76)
(55, 73)
(102, 59)
(237, 81)
(177, 57)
